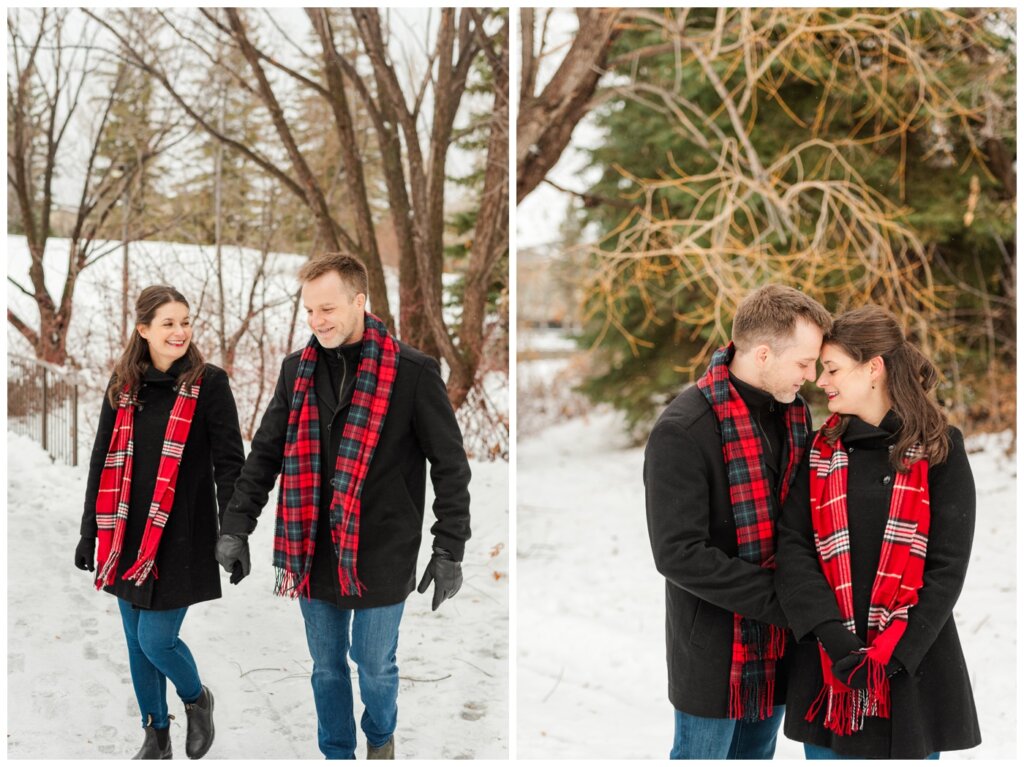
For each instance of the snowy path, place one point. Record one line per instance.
(69, 687)
(591, 642)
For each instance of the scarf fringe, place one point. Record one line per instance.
(289, 584)
(751, 702)
(105, 577)
(141, 570)
(349, 581)
(846, 709)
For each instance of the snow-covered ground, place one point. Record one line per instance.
(69, 686)
(591, 675)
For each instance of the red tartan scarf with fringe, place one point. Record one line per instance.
(756, 646)
(115, 491)
(299, 500)
(900, 575)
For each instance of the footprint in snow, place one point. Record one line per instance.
(473, 711)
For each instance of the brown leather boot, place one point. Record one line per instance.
(387, 751)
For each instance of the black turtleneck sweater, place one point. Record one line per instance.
(769, 419)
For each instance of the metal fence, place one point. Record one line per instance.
(42, 403)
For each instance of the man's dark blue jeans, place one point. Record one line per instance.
(699, 737)
(372, 645)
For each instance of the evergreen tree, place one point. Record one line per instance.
(910, 112)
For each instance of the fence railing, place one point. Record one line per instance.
(42, 403)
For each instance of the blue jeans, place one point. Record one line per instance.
(156, 654)
(373, 643)
(820, 752)
(699, 737)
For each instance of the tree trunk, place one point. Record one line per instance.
(546, 122)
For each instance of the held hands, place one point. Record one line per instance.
(446, 574)
(233, 555)
(85, 554)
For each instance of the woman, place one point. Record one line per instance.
(167, 433)
(873, 545)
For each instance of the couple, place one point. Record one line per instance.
(353, 417)
(813, 573)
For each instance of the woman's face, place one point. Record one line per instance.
(168, 335)
(847, 383)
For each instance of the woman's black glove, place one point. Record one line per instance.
(852, 672)
(85, 554)
(233, 555)
(837, 640)
(446, 574)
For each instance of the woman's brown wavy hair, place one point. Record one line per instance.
(871, 331)
(135, 359)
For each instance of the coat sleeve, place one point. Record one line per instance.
(225, 437)
(950, 534)
(440, 438)
(678, 522)
(259, 474)
(104, 430)
(806, 597)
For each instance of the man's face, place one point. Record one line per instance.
(784, 371)
(334, 310)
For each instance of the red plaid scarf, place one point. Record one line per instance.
(115, 490)
(900, 575)
(756, 646)
(299, 500)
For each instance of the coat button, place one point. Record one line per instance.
(850, 450)
(886, 479)
(891, 448)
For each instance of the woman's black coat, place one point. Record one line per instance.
(932, 708)
(213, 455)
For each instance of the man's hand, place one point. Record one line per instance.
(446, 574)
(85, 554)
(233, 555)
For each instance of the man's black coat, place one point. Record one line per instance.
(419, 426)
(693, 536)
(932, 704)
(185, 564)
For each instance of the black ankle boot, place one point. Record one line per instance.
(200, 725)
(157, 744)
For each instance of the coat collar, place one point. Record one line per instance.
(154, 377)
(867, 435)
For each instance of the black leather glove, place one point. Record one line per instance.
(446, 574)
(233, 555)
(837, 640)
(85, 554)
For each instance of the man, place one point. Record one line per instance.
(353, 417)
(716, 469)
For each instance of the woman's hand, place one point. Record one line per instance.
(85, 554)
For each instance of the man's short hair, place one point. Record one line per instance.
(352, 270)
(769, 316)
